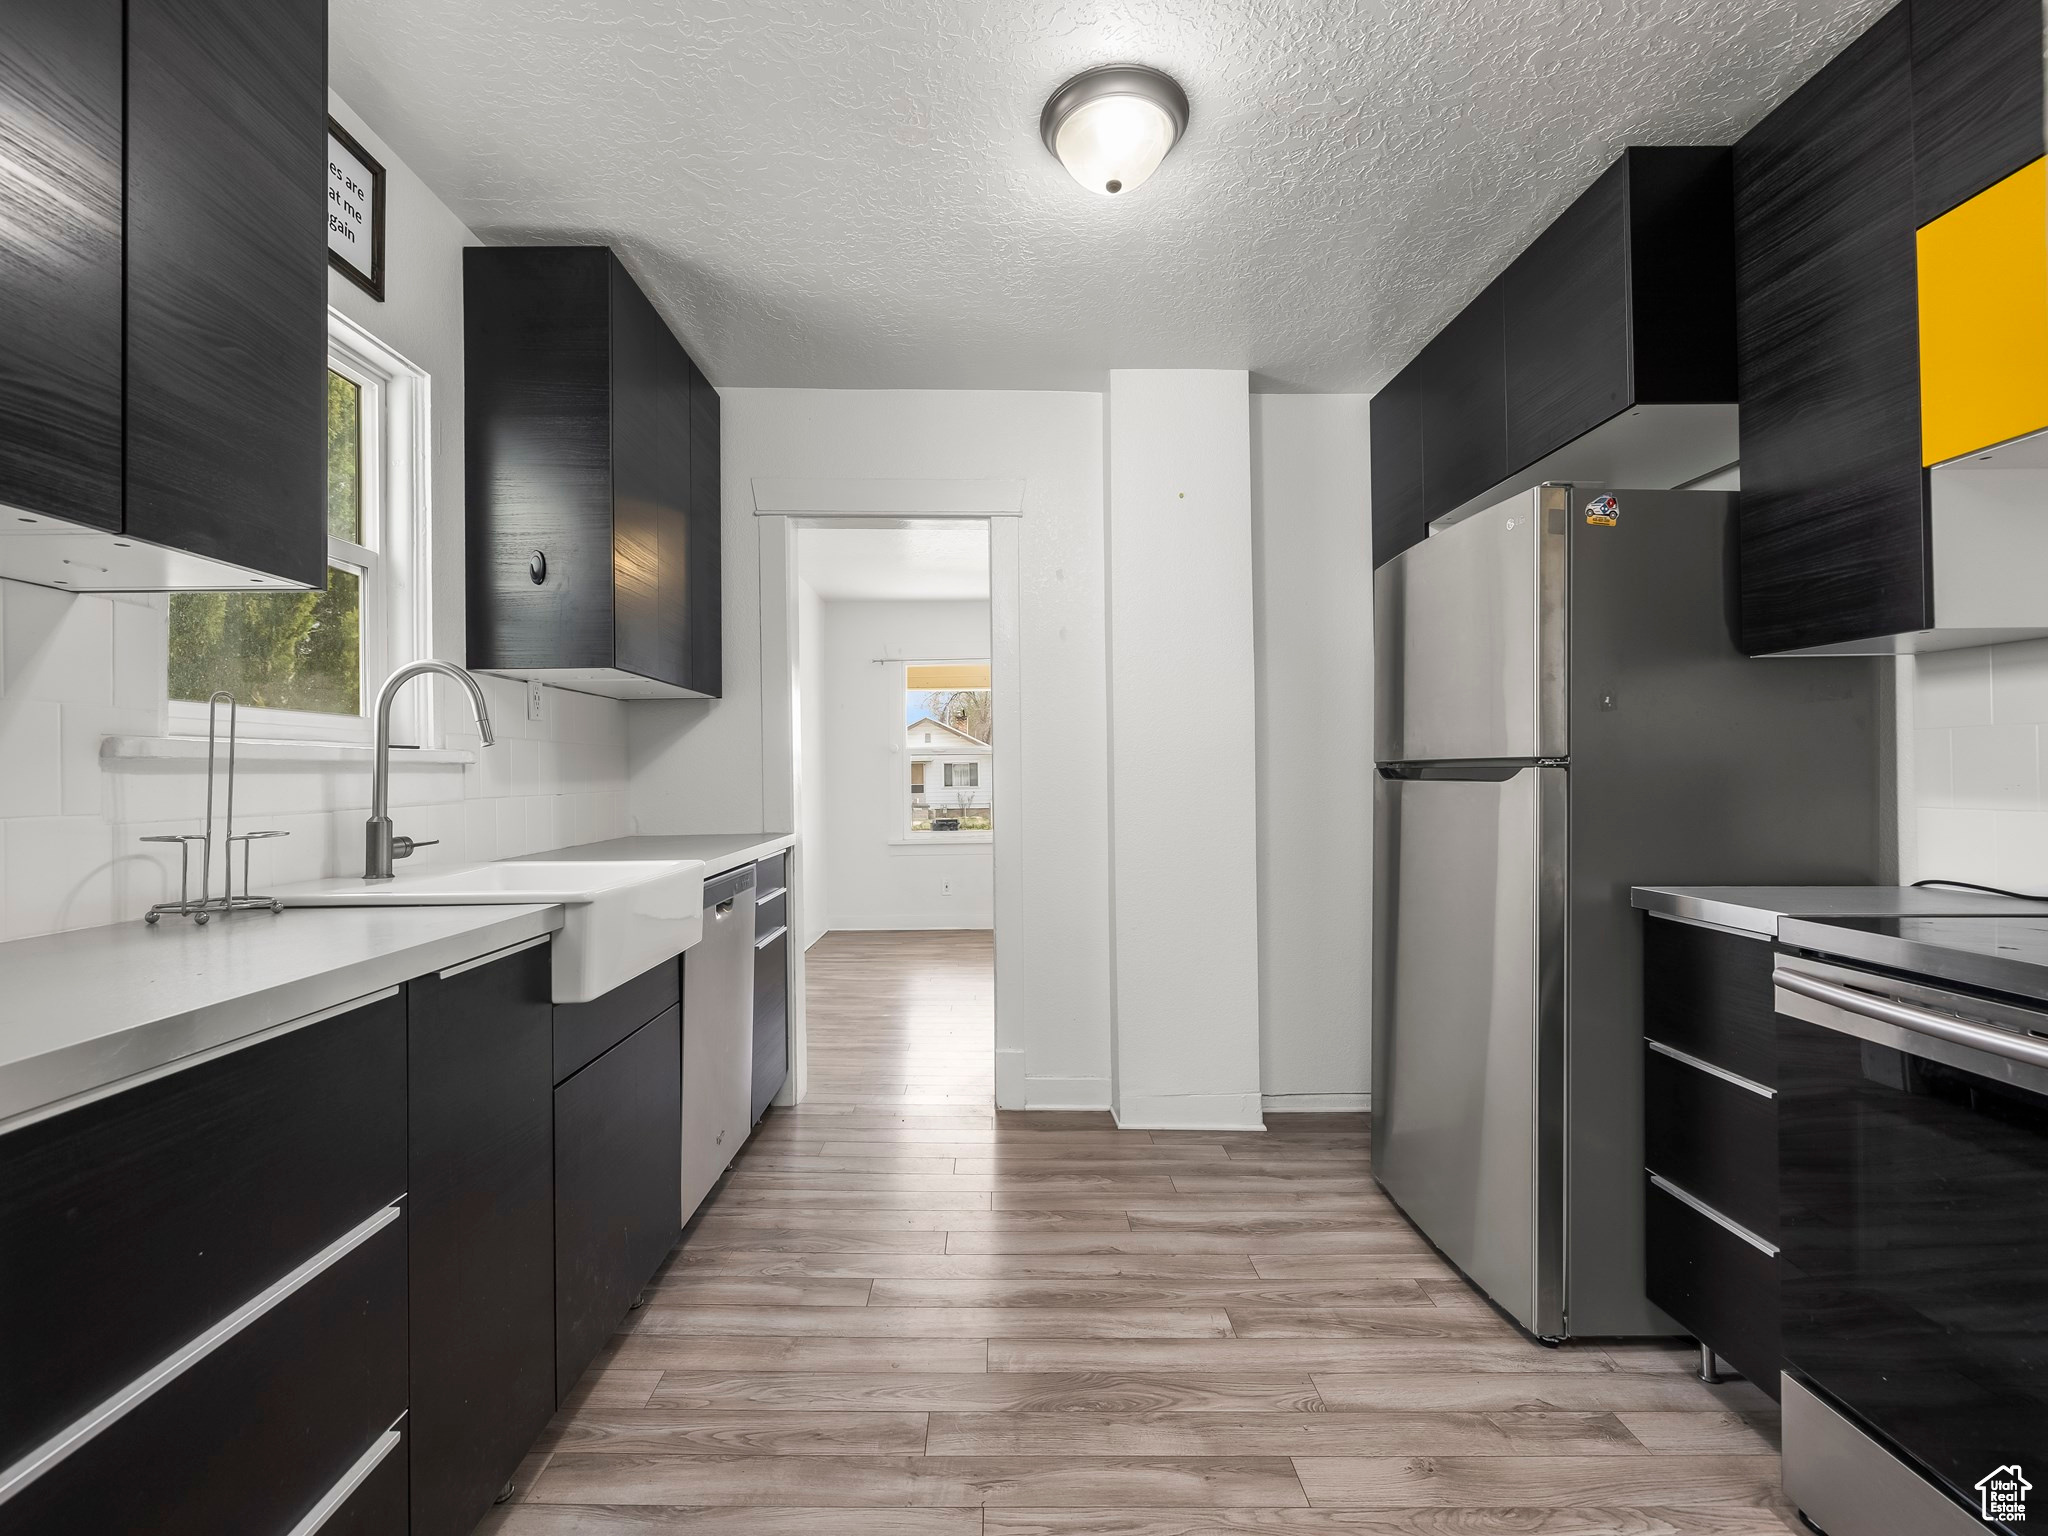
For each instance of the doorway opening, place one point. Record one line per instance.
(899, 803)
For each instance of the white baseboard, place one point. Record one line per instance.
(1087, 1093)
(907, 922)
(1317, 1103)
(1010, 1089)
(1189, 1112)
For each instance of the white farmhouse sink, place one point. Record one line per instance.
(618, 919)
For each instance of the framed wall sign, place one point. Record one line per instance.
(355, 212)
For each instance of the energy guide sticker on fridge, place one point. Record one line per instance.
(1603, 512)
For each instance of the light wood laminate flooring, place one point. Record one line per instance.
(904, 1314)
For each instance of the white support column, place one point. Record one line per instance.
(1183, 775)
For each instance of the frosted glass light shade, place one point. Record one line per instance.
(1112, 126)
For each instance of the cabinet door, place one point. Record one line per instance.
(641, 486)
(1464, 406)
(227, 281)
(482, 1261)
(1397, 516)
(1976, 97)
(703, 559)
(1833, 524)
(1565, 302)
(771, 1019)
(618, 1157)
(60, 258)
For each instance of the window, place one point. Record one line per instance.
(949, 717)
(304, 664)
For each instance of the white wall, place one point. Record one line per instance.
(878, 879)
(1312, 570)
(1183, 734)
(812, 783)
(76, 669)
(708, 766)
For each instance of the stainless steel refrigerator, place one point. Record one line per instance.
(1561, 713)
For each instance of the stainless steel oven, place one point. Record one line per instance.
(1913, 1155)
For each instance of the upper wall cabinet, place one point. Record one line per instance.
(1604, 353)
(163, 281)
(593, 480)
(1847, 544)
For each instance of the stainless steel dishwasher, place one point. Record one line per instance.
(718, 1035)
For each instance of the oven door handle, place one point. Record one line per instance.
(1919, 1021)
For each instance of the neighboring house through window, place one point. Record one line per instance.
(949, 725)
(305, 665)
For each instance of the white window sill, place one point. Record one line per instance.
(193, 749)
(941, 839)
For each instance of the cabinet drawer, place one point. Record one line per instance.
(375, 1505)
(1713, 1139)
(770, 913)
(1719, 1287)
(771, 1019)
(155, 1212)
(1708, 994)
(771, 873)
(585, 1031)
(618, 1164)
(256, 1433)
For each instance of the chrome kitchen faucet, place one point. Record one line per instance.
(379, 846)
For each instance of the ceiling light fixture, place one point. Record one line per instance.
(1110, 127)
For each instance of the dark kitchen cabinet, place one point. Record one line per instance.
(1628, 298)
(138, 1208)
(593, 479)
(481, 1214)
(1834, 536)
(618, 1170)
(163, 281)
(1976, 97)
(1398, 519)
(1937, 101)
(259, 1430)
(60, 259)
(1464, 405)
(1623, 306)
(1710, 1139)
(771, 981)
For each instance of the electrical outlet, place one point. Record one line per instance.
(534, 699)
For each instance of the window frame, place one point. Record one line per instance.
(933, 756)
(394, 617)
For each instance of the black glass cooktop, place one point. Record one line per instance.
(2000, 954)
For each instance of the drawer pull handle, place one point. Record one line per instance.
(1762, 1245)
(168, 1370)
(770, 936)
(349, 1482)
(1709, 1068)
(765, 897)
(493, 957)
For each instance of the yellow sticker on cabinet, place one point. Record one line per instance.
(1603, 512)
(1984, 318)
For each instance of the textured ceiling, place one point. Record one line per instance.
(850, 194)
(924, 561)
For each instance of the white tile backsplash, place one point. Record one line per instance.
(1980, 810)
(77, 668)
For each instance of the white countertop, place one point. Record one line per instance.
(83, 1010)
(720, 851)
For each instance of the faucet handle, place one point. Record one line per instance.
(403, 847)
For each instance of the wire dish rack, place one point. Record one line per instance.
(202, 907)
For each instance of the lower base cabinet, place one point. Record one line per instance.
(481, 1170)
(255, 1434)
(618, 1161)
